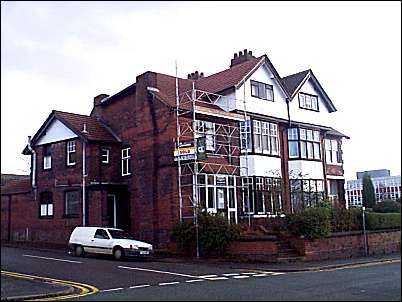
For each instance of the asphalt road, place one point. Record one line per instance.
(161, 280)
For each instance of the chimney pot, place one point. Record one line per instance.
(250, 52)
(240, 53)
(201, 75)
(245, 51)
(235, 55)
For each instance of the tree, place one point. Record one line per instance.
(368, 191)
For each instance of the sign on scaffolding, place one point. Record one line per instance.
(185, 151)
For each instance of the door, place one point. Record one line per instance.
(101, 243)
(112, 210)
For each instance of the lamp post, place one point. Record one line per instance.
(364, 231)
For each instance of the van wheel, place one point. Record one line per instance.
(79, 251)
(118, 253)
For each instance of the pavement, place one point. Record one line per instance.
(17, 288)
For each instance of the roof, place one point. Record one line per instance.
(334, 132)
(16, 186)
(96, 131)
(6, 178)
(293, 81)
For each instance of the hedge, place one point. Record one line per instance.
(387, 206)
(378, 221)
(312, 223)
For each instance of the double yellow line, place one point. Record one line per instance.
(84, 289)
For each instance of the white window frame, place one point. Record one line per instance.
(331, 152)
(125, 161)
(308, 101)
(70, 149)
(245, 136)
(46, 208)
(107, 155)
(207, 129)
(47, 160)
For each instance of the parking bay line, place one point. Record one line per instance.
(168, 283)
(111, 290)
(140, 286)
(54, 259)
(156, 271)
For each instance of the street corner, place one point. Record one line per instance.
(17, 287)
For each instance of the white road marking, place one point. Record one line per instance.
(240, 277)
(217, 278)
(229, 275)
(276, 274)
(248, 273)
(140, 286)
(207, 276)
(168, 283)
(112, 289)
(155, 271)
(55, 259)
(260, 275)
(196, 280)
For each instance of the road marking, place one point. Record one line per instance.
(217, 278)
(196, 280)
(155, 271)
(240, 277)
(260, 275)
(140, 286)
(248, 273)
(55, 259)
(207, 276)
(85, 289)
(229, 275)
(111, 290)
(168, 283)
(276, 274)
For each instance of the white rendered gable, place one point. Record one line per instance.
(322, 117)
(276, 108)
(55, 132)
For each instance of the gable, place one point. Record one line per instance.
(55, 132)
(310, 88)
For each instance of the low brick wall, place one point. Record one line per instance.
(347, 245)
(253, 249)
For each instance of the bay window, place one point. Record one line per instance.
(332, 153)
(245, 136)
(304, 143)
(266, 139)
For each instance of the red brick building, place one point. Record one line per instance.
(263, 154)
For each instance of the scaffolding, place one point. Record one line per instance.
(223, 151)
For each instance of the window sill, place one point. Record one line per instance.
(46, 217)
(71, 215)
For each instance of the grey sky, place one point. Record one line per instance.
(59, 55)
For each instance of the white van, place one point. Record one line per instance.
(109, 241)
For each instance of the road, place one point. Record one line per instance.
(179, 280)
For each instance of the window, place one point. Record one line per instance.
(245, 136)
(47, 157)
(262, 195)
(71, 154)
(105, 153)
(304, 143)
(308, 101)
(332, 152)
(101, 234)
(71, 203)
(46, 204)
(265, 138)
(306, 193)
(262, 90)
(207, 129)
(126, 161)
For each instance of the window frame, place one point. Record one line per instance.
(47, 157)
(71, 149)
(265, 130)
(262, 89)
(308, 142)
(303, 104)
(107, 155)
(126, 161)
(71, 215)
(46, 198)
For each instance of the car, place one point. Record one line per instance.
(109, 241)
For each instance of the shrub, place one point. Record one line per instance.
(378, 221)
(312, 223)
(214, 234)
(387, 206)
(344, 220)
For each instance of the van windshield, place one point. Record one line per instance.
(116, 234)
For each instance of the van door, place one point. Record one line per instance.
(101, 243)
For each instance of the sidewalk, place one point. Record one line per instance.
(14, 288)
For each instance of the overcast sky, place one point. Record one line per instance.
(59, 55)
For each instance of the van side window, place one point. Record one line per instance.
(101, 234)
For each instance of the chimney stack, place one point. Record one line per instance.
(241, 57)
(195, 75)
(99, 98)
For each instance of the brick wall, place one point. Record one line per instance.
(348, 245)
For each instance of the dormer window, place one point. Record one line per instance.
(262, 91)
(71, 153)
(47, 157)
(308, 101)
